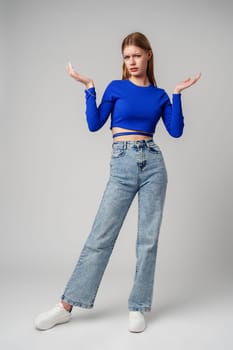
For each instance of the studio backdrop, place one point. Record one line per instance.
(53, 170)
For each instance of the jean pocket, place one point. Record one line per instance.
(153, 148)
(118, 152)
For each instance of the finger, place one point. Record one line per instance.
(71, 70)
(68, 67)
(186, 80)
(198, 76)
(193, 80)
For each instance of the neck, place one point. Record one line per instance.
(141, 81)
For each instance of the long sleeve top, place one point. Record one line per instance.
(134, 107)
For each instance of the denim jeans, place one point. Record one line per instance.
(136, 167)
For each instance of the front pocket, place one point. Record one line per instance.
(154, 149)
(117, 153)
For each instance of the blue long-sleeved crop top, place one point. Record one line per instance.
(134, 107)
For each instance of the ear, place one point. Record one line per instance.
(149, 54)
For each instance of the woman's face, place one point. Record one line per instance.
(136, 60)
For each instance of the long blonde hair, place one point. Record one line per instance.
(140, 40)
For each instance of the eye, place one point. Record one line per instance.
(126, 57)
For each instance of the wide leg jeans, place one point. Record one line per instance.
(136, 167)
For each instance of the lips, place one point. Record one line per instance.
(133, 69)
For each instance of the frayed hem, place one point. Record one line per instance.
(77, 303)
(141, 309)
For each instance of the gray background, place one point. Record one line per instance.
(53, 172)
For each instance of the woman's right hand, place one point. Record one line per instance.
(81, 78)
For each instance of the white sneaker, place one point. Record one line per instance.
(137, 322)
(56, 315)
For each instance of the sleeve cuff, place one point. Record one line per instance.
(90, 91)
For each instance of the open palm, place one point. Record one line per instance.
(184, 84)
(81, 78)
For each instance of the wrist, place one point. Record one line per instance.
(176, 91)
(89, 85)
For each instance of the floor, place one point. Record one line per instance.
(180, 320)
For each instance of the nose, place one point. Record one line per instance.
(132, 61)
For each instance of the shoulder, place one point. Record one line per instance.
(116, 87)
(160, 90)
(117, 83)
(162, 93)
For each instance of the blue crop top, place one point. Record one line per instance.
(134, 107)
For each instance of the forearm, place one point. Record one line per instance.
(173, 116)
(96, 116)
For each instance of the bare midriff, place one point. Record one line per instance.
(116, 130)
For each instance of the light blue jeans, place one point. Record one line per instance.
(137, 167)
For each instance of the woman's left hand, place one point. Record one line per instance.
(184, 84)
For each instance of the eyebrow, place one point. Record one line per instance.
(135, 53)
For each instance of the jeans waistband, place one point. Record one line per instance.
(129, 144)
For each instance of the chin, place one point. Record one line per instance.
(135, 74)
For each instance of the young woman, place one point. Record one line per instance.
(135, 104)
